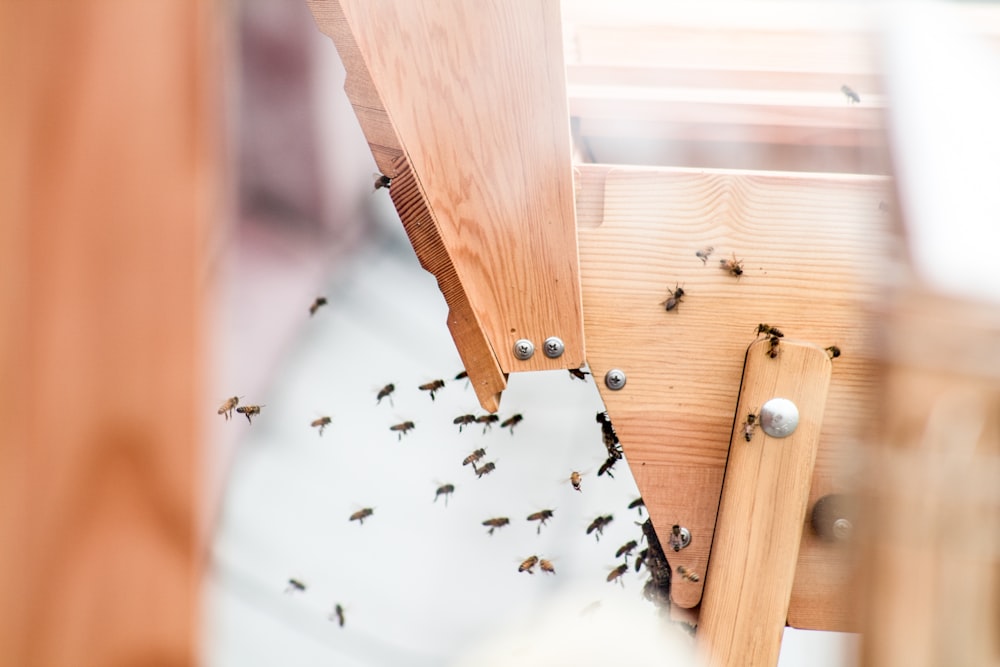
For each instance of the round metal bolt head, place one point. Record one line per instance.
(779, 418)
(842, 529)
(553, 347)
(523, 349)
(615, 379)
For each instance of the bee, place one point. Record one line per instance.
(768, 330)
(598, 525)
(320, 423)
(640, 559)
(675, 298)
(733, 266)
(249, 411)
(361, 515)
(617, 574)
(385, 392)
(432, 387)
(687, 574)
(338, 615)
(626, 549)
(603, 418)
(474, 456)
(401, 428)
(528, 565)
(773, 349)
(320, 301)
(546, 566)
(833, 351)
(463, 420)
(496, 522)
(578, 374)
(575, 478)
(444, 490)
(487, 421)
(462, 375)
(381, 181)
(511, 422)
(487, 468)
(852, 96)
(295, 585)
(541, 517)
(227, 407)
(704, 254)
(749, 426)
(607, 466)
(637, 504)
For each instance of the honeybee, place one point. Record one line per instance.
(675, 298)
(575, 478)
(603, 418)
(338, 615)
(462, 375)
(733, 266)
(833, 351)
(687, 574)
(637, 504)
(249, 411)
(381, 181)
(320, 301)
(852, 96)
(227, 407)
(487, 421)
(598, 525)
(487, 468)
(463, 420)
(641, 558)
(749, 426)
(546, 566)
(578, 373)
(401, 428)
(361, 515)
(444, 490)
(768, 330)
(626, 549)
(385, 392)
(617, 574)
(528, 565)
(474, 456)
(773, 349)
(432, 387)
(511, 422)
(541, 517)
(320, 424)
(704, 254)
(607, 466)
(496, 522)
(295, 585)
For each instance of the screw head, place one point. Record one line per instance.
(842, 529)
(614, 379)
(779, 417)
(523, 349)
(553, 347)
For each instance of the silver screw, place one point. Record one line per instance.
(679, 537)
(779, 417)
(553, 347)
(523, 349)
(615, 379)
(842, 529)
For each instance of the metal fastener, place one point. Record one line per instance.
(679, 538)
(553, 347)
(842, 529)
(523, 349)
(779, 417)
(615, 379)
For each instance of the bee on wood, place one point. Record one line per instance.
(294, 585)
(385, 392)
(401, 429)
(228, 407)
(444, 490)
(511, 422)
(546, 566)
(320, 301)
(249, 411)
(640, 559)
(626, 549)
(607, 466)
(704, 254)
(852, 96)
(474, 456)
(603, 418)
(432, 387)
(733, 266)
(575, 478)
(833, 351)
(675, 298)
(768, 330)
(637, 504)
(381, 181)
(541, 517)
(361, 515)
(321, 424)
(487, 421)
(773, 350)
(338, 615)
(617, 574)
(749, 426)
(496, 522)
(578, 374)
(487, 468)
(689, 575)
(528, 565)
(597, 525)
(464, 420)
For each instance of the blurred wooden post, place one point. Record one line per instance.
(107, 178)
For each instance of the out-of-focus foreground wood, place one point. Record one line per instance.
(107, 174)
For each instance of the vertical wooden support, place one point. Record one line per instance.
(764, 497)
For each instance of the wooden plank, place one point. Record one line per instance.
(763, 506)
(813, 248)
(108, 174)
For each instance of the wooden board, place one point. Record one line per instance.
(813, 248)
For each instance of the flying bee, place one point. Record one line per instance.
(598, 525)
(487, 421)
(733, 266)
(768, 330)
(361, 515)
(704, 254)
(578, 374)
(626, 549)
(432, 387)
(641, 558)
(295, 585)
(338, 615)
(385, 392)
(381, 181)
(607, 466)
(833, 351)
(852, 96)
(546, 566)
(617, 574)
(496, 522)
(637, 504)
(773, 350)
(401, 429)
(575, 479)
(749, 426)
(674, 298)
(541, 517)
(444, 490)
(689, 575)
(511, 422)
(320, 301)
(528, 565)
(228, 407)
(487, 468)
(474, 456)
(249, 411)
(464, 420)
(321, 424)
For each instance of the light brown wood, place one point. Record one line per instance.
(762, 509)
(474, 97)
(108, 174)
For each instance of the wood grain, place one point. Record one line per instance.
(762, 509)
